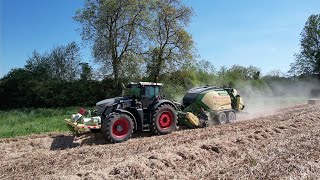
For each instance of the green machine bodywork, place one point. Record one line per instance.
(208, 105)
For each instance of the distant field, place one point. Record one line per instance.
(258, 103)
(23, 122)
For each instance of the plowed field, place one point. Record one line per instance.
(279, 144)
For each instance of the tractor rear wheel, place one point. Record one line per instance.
(231, 117)
(222, 118)
(164, 120)
(117, 128)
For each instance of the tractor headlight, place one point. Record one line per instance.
(96, 120)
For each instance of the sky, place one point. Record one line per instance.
(263, 33)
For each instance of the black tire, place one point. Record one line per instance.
(117, 128)
(95, 130)
(222, 118)
(231, 117)
(103, 124)
(164, 120)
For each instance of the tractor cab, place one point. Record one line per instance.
(144, 92)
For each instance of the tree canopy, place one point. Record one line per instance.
(113, 29)
(307, 61)
(122, 32)
(170, 45)
(61, 63)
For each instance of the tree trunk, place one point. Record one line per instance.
(116, 71)
(158, 62)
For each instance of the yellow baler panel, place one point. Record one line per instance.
(217, 102)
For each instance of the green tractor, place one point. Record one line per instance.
(209, 105)
(143, 108)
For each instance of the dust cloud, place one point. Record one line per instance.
(277, 94)
(270, 96)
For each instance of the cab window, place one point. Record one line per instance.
(151, 92)
(134, 91)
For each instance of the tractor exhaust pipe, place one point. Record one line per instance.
(123, 87)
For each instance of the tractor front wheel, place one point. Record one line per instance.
(164, 120)
(117, 128)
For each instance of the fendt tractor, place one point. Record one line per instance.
(142, 109)
(145, 109)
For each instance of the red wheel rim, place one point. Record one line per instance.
(120, 128)
(165, 120)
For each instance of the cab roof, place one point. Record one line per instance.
(146, 83)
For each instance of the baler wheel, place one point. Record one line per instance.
(222, 118)
(231, 117)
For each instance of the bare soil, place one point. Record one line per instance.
(275, 144)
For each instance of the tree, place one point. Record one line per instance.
(39, 65)
(65, 61)
(274, 74)
(252, 72)
(205, 72)
(307, 62)
(237, 72)
(86, 72)
(112, 27)
(170, 43)
(62, 62)
(133, 68)
(15, 89)
(204, 66)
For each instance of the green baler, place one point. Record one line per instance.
(208, 105)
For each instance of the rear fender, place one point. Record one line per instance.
(160, 102)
